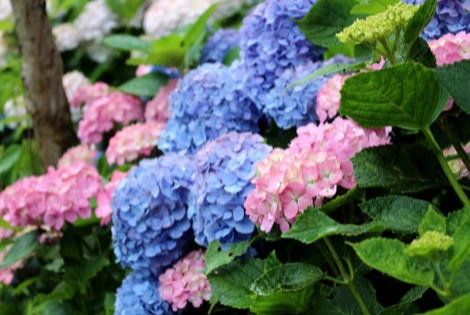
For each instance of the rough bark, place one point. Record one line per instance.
(42, 72)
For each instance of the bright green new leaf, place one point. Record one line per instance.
(371, 7)
(432, 221)
(198, 28)
(218, 255)
(398, 167)
(287, 277)
(325, 19)
(128, 43)
(397, 213)
(455, 79)
(456, 307)
(461, 247)
(393, 96)
(9, 157)
(147, 85)
(389, 257)
(313, 225)
(22, 248)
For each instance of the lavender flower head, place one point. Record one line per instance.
(219, 44)
(150, 224)
(138, 295)
(271, 42)
(224, 169)
(208, 102)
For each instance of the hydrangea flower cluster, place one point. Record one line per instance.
(58, 196)
(89, 92)
(102, 113)
(185, 282)
(208, 102)
(451, 48)
(96, 20)
(456, 165)
(224, 169)
(66, 36)
(150, 223)
(157, 109)
(329, 97)
(72, 82)
(133, 141)
(314, 165)
(104, 211)
(81, 153)
(271, 42)
(138, 295)
(219, 44)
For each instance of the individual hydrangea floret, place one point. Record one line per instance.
(104, 211)
(431, 242)
(186, 282)
(378, 26)
(66, 36)
(150, 223)
(102, 113)
(81, 153)
(271, 42)
(219, 44)
(138, 295)
(133, 141)
(449, 48)
(311, 169)
(224, 169)
(157, 109)
(208, 102)
(456, 164)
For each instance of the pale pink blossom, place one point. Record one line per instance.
(451, 48)
(157, 109)
(329, 97)
(83, 152)
(88, 93)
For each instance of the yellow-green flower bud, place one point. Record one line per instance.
(429, 243)
(378, 26)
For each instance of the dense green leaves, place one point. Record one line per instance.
(218, 255)
(22, 248)
(432, 221)
(393, 96)
(147, 85)
(454, 78)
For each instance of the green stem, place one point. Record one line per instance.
(326, 277)
(445, 167)
(347, 278)
(454, 140)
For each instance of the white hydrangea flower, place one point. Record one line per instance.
(5, 9)
(17, 108)
(96, 20)
(72, 81)
(67, 36)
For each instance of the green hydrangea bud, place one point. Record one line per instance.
(429, 243)
(378, 26)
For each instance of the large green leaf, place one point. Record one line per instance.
(218, 255)
(397, 213)
(432, 221)
(286, 277)
(313, 225)
(9, 157)
(282, 303)
(147, 85)
(456, 307)
(398, 167)
(393, 96)
(325, 19)
(194, 32)
(454, 78)
(389, 257)
(22, 248)
(419, 21)
(127, 42)
(371, 7)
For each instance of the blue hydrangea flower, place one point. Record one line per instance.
(452, 16)
(290, 107)
(172, 73)
(208, 102)
(224, 169)
(219, 44)
(138, 295)
(271, 42)
(150, 224)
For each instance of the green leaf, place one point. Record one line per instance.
(461, 248)
(281, 303)
(128, 43)
(393, 96)
(22, 248)
(398, 167)
(313, 225)
(9, 157)
(230, 284)
(388, 256)
(454, 78)
(397, 213)
(420, 52)
(218, 255)
(432, 221)
(126, 9)
(405, 302)
(287, 277)
(419, 21)
(147, 85)
(109, 300)
(456, 219)
(325, 19)
(353, 194)
(194, 32)
(371, 7)
(457, 306)
(231, 56)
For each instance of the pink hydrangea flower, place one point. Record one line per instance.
(185, 282)
(329, 97)
(104, 210)
(133, 141)
(456, 165)
(53, 198)
(451, 48)
(88, 93)
(102, 113)
(142, 70)
(157, 109)
(72, 82)
(83, 152)
(311, 169)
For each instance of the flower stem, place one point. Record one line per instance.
(454, 140)
(348, 278)
(445, 167)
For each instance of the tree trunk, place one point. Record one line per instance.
(42, 78)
